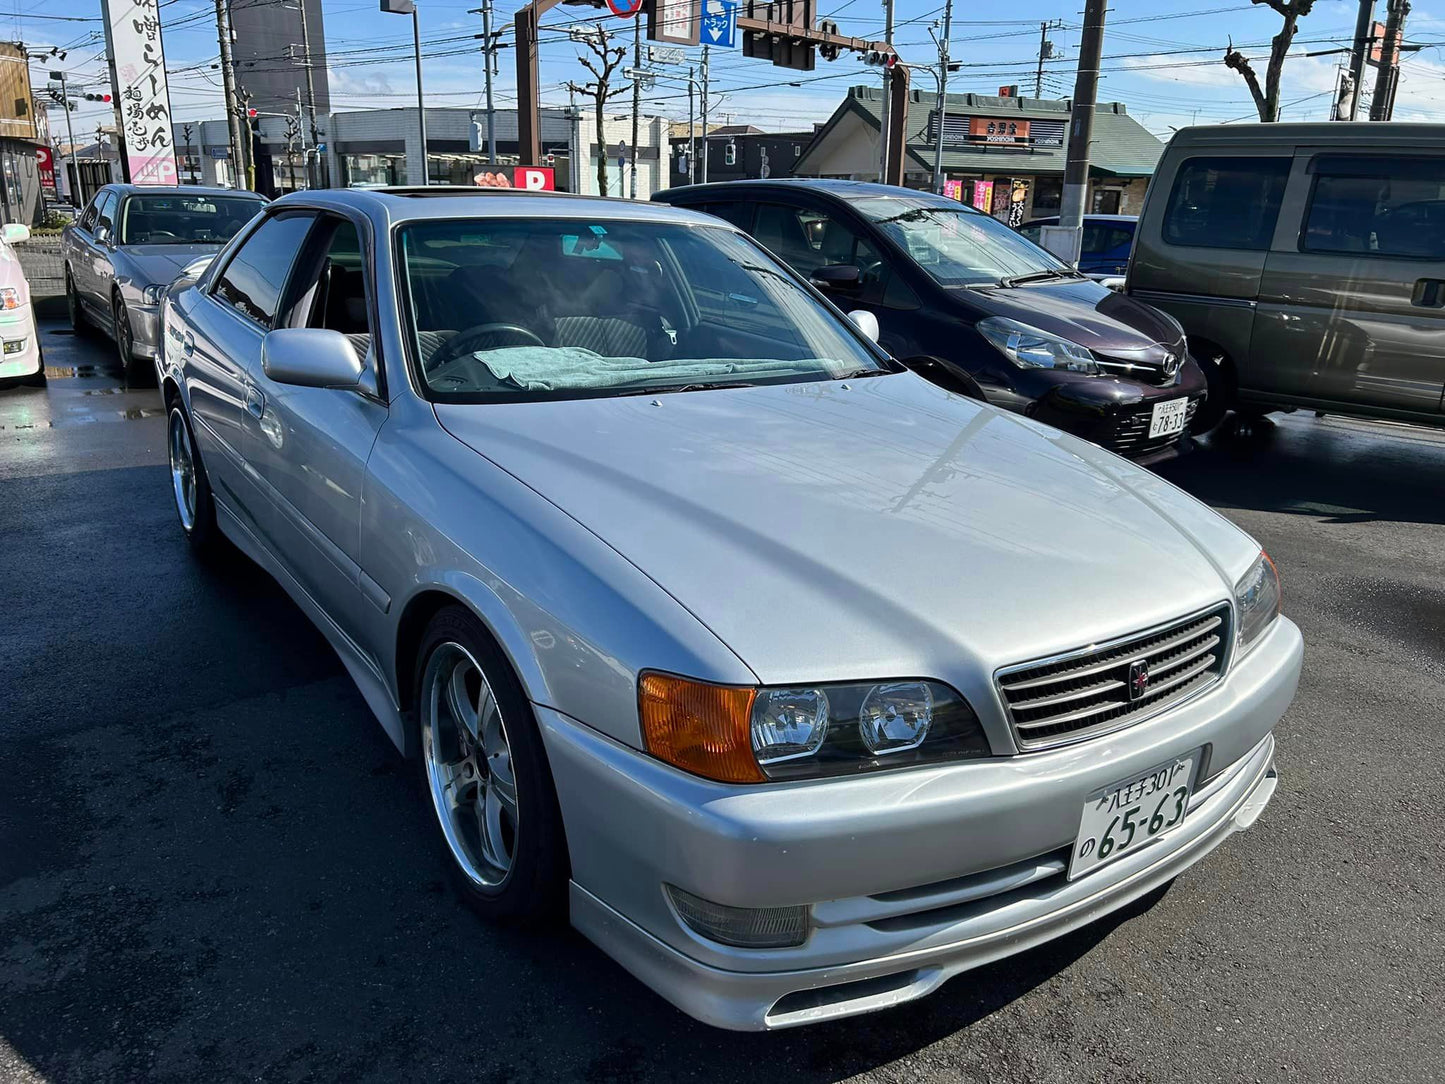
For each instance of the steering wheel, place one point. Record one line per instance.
(460, 343)
(160, 235)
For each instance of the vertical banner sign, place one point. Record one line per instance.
(45, 166)
(133, 32)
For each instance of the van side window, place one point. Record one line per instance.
(1225, 202)
(1377, 207)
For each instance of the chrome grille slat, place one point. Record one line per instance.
(1086, 692)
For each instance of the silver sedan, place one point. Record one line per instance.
(798, 683)
(128, 245)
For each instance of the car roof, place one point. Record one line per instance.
(1321, 134)
(408, 204)
(181, 190)
(837, 189)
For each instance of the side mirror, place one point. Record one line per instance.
(14, 233)
(310, 357)
(102, 234)
(937, 371)
(193, 269)
(838, 276)
(866, 321)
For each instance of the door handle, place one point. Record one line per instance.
(255, 401)
(1429, 293)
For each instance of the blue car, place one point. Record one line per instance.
(1107, 241)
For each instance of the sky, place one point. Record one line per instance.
(1161, 57)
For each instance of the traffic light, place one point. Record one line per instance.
(828, 52)
(730, 154)
(91, 97)
(879, 58)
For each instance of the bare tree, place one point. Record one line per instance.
(603, 63)
(1266, 100)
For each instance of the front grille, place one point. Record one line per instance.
(1128, 432)
(1145, 374)
(1088, 692)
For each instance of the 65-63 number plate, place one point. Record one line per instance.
(1122, 817)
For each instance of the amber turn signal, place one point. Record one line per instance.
(700, 728)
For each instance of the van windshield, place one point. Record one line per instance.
(958, 246)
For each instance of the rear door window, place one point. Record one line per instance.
(1370, 206)
(253, 279)
(739, 214)
(1226, 202)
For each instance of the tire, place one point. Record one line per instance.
(131, 366)
(1221, 392)
(485, 774)
(78, 322)
(37, 378)
(191, 489)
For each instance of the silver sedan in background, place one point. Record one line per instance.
(798, 683)
(130, 243)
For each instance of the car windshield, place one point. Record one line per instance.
(185, 219)
(569, 307)
(957, 246)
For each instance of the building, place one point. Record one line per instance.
(1002, 155)
(270, 50)
(736, 152)
(20, 137)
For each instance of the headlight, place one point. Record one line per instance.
(1256, 600)
(10, 297)
(742, 735)
(1031, 348)
(153, 293)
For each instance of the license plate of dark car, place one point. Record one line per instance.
(1167, 418)
(1124, 816)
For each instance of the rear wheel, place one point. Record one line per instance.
(485, 771)
(1215, 367)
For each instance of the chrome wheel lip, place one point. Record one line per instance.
(183, 468)
(468, 762)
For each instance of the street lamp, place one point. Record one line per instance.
(408, 7)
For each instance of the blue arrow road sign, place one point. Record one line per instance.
(720, 23)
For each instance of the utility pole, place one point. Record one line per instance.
(228, 85)
(636, 96)
(705, 70)
(887, 75)
(1081, 131)
(1358, 53)
(489, 55)
(1046, 52)
(1382, 105)
(70, 131)
(691, 131)
(310, 75)
(942, 109)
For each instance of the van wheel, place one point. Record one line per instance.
(1211, 412)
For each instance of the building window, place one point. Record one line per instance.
(1048, 195)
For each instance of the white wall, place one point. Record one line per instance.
(652, 134)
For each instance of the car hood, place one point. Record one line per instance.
(162, 263)
(1087, 313)
(880, 527)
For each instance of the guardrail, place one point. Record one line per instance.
(45, 271)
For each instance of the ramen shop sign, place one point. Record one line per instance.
(142, 96)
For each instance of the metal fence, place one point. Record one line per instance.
(44, 270)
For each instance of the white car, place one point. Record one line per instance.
(20, 356)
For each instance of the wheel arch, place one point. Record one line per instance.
(496, 622)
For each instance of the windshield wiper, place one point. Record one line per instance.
(860, 372)
(667, 389)
(1038, 276)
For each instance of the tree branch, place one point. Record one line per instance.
(1237, 61)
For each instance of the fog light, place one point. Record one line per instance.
(743, 927)
(14, 346)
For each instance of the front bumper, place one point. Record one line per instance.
(18, 325)
(910, 876)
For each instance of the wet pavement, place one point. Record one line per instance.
(213, 865)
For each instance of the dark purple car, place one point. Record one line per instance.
(965, 300)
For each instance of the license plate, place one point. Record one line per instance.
(1168, 418)
(1124, 816)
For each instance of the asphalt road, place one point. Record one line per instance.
(213, 865)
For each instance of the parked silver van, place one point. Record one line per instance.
(1306, 263)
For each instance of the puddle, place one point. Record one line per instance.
(60, 331)
(104, 391)
(60, 372)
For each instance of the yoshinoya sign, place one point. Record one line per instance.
(142, 96)
(997, 130)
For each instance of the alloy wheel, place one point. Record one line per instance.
(468, 762)
(183, 468)
(124, 338)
